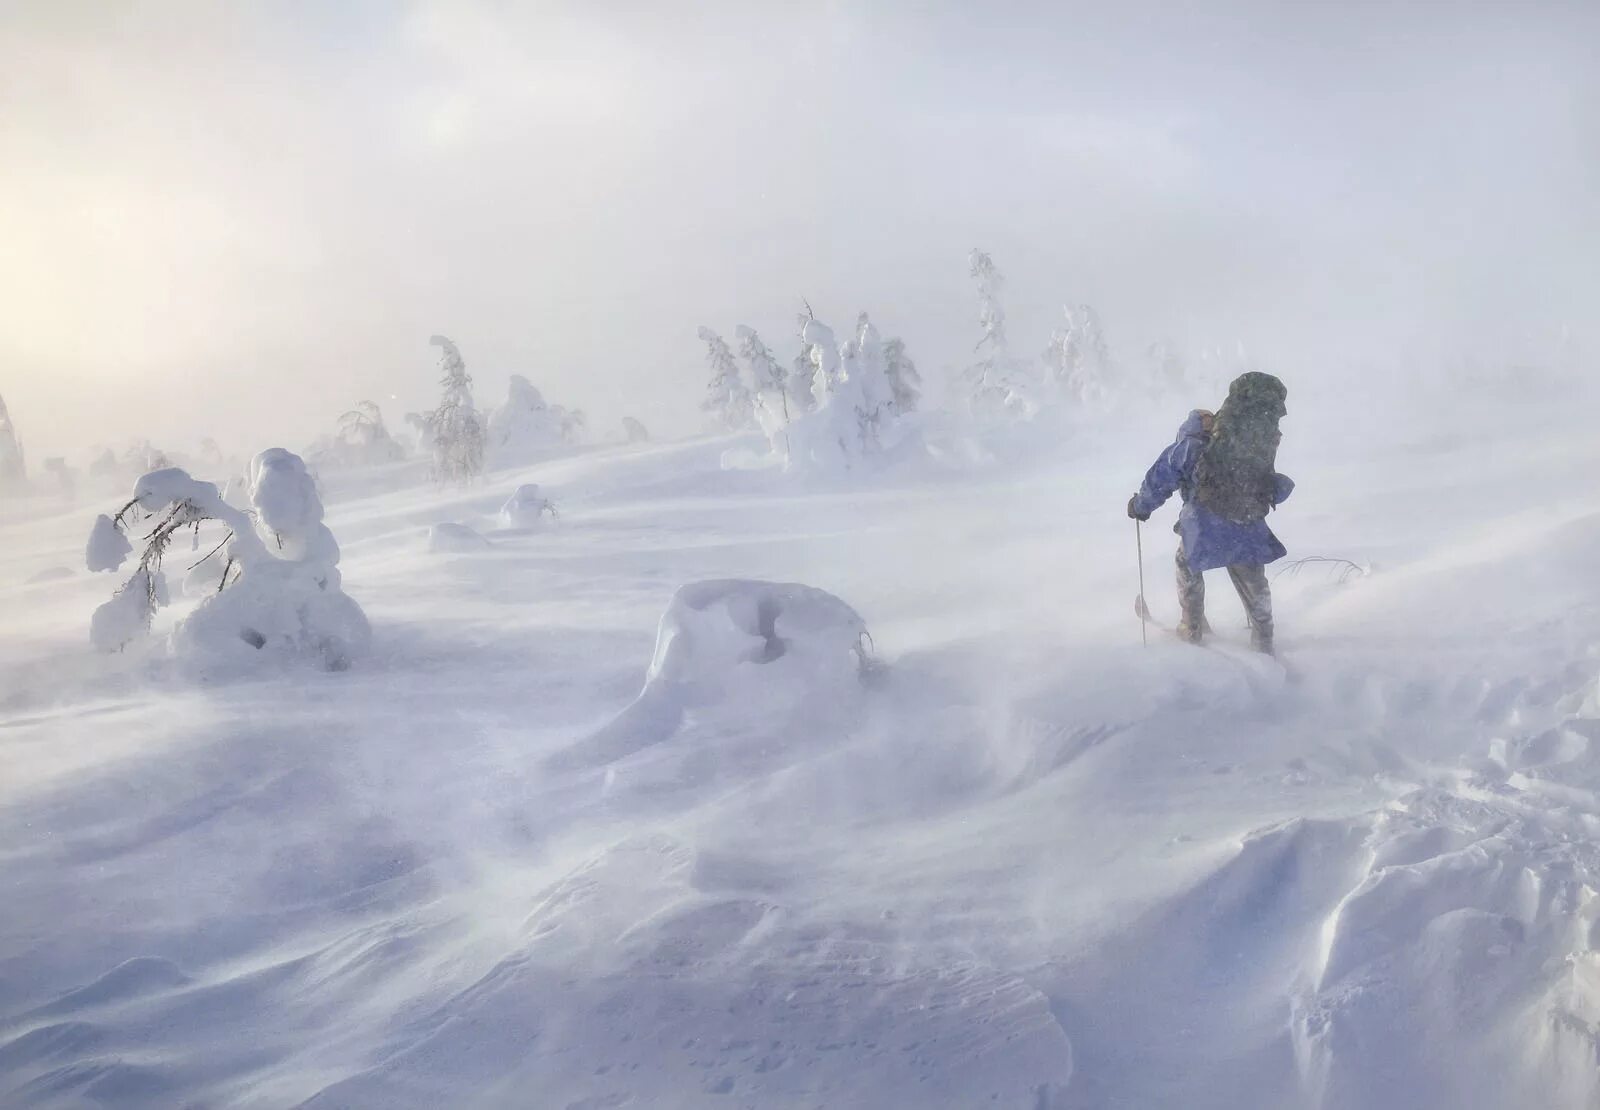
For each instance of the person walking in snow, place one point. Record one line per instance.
(1224, 469)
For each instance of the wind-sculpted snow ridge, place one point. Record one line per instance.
(791, 650)
(1462, 967)
(639, 981)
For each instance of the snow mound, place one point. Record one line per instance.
(526, 508)
(785, 647)
(447, 536)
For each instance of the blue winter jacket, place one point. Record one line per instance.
(1209, 541)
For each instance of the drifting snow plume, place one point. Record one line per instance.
(13, 473)
(727, 399)
(281, 599)
(998, 385)
(526, 508)
(454, 429)
(447, 536)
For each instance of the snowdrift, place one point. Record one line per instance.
(784, 650)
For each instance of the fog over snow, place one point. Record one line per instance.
(232, 199)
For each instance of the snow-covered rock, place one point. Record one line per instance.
(526, 508)
(790, 648)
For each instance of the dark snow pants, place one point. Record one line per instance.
(1249, 579)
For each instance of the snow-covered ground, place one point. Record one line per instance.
(1016, 860)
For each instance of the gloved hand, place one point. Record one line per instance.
(1133, 512)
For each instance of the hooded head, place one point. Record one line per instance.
(1197, 425)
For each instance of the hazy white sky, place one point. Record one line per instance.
(239, 219)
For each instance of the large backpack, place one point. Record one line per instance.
(1235, 476)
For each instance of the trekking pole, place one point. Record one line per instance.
(1144, 612)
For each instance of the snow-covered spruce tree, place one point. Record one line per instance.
(1079, 361)
(362, 440)
(801, 398)
(633, 431)
(728, 400)
(13, 470)
(852, 401)
(365, 438)
(905, 384)
(523, 427)
(997, 384)
(455, 430)
(279, 593)
(771, 384)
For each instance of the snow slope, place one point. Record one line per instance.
(1019, 860)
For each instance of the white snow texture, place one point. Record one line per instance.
(622, 814)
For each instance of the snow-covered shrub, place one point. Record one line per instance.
(998, 385)
(728, 401)
(524, 427)
(455, 431)
(279, 593)
(362, 440)
(526, 508)
(633, 431)
(13, 471)
(448, 536)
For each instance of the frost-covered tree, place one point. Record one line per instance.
(905, 384)
(800, 396)
(279, 591)
(365, 437)
(362, 440)
(770, 378)
(524, 427)
(853, 400)
(728, 400)
(633, 431)
(1078, 359)
(997, 383)
(455, 430)
(13, 471)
